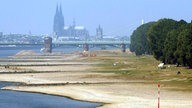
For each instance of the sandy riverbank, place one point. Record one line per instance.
(81, 81)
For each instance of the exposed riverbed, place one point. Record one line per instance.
(13, 99)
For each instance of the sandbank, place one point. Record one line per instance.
(80, 81)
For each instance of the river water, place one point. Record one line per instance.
(13, 99)
(10, 51)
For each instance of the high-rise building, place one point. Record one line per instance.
(142, 22)
(61, 30)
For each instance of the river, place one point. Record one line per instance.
(11, 51)
(13, 99)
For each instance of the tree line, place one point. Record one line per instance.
(168, 40)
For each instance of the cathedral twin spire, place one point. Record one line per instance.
(72, 31)
(58, 24)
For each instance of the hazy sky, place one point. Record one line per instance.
(116, 17)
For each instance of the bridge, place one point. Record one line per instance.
(90, 42)
(49, 44)
(72, 43)
(87, 43)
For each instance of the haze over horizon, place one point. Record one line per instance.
(116, 17)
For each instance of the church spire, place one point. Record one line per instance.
(58, 21)
(74, 23)
(61, 16)
(57, 9)
(60, 10)
(55, 23)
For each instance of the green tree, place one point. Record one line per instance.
(170, 45)
(157, 34)
(139, 40)
(184, 46)
(181, 47)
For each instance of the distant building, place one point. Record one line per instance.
(1, 34)
(99, 33)
(72, 32)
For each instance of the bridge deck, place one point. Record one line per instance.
(92, 42)
(75, 43)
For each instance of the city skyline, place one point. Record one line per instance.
(60, 29)
(116, 17)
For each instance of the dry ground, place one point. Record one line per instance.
(95, 79)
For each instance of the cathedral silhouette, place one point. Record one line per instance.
(73, 31)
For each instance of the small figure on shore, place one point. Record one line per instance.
(178, 72)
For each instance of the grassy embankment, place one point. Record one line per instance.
(144, 68)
